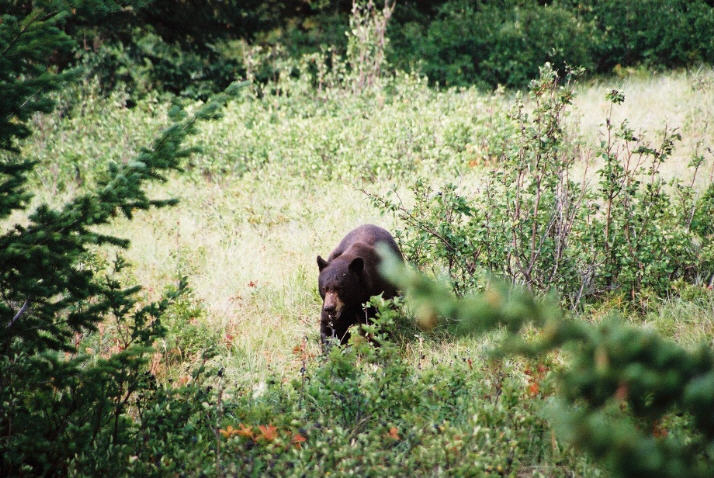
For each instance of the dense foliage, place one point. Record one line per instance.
(504, 41)
(622, 388)
(195, 48)
(500, 43)
(532, 222)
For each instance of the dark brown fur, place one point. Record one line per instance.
(349, 278)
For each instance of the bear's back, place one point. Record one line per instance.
(365, 235)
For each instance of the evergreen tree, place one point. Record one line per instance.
(62, 411)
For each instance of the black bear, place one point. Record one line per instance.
(349, 277)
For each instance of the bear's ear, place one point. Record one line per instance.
(357, 265)
(321, 263)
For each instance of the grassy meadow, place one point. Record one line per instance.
(280, 179)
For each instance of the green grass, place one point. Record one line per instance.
(280, 182)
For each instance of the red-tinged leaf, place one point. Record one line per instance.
(393, 433)
(268, 432)
(533, 389)
(297, 440)
(245, 431)
(227, 432)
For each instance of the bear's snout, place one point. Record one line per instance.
(332, 305)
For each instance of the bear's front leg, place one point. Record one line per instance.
(332, 329)
(327, 331)
(347, 319)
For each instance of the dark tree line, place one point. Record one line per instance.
(194, 48)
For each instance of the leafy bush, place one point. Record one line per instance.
(365, 410)
(630, 34)
(636, 402)
(197, 48)
(150, 64)
(504, 42)
(535, 225)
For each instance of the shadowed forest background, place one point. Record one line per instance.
(169, 170)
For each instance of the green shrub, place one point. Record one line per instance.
(366, 411)
(639, 404)
(532, 224)
(148, 63)
(197, 48)
(656, 33)
(503, 42)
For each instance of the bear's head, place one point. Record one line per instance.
(341, 285)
